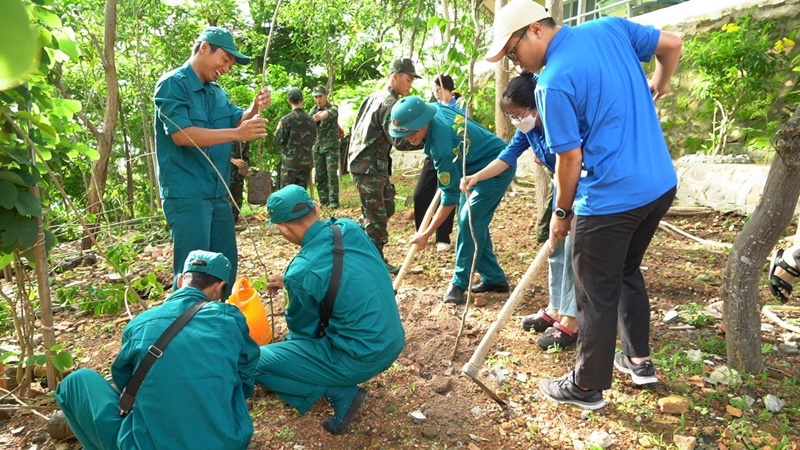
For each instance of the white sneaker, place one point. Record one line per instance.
(443, 247)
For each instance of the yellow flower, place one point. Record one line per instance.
(731, 28)
(784, 44)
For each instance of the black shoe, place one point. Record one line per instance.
(557, 335)
(564, 390)
(539, 321)
(338, 423)
(642, 373)
(455, 295)
(499, 287)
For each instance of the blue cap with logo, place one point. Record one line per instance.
(223, 39)
(409, 115)
(288, 204)
(214, 264)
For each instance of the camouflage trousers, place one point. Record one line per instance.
(326, 170)
(237, 190)
(377, 205)
(294, 175)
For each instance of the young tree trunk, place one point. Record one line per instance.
(741, 307)
(105, 137)
(556, 9)
(129, 210)
(501, 124)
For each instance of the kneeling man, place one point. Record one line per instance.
(364, 334)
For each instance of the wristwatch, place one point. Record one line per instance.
(562, 213)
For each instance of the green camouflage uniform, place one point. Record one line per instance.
(326, 155)
(240, 150)
(371, 165)
(295, 136)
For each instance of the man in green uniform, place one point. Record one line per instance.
(370, 144)
(364, 334)
(195, 124)
(194, 395)
(441, 128)
(326, 148)
(295, 136)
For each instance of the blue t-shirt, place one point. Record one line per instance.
(182, 101)
(521, 141)
(594, 92)
(443, 143)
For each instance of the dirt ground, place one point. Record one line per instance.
(426, 380)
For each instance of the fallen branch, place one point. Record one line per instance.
(672, 228)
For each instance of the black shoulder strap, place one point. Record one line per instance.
(155, 351)
(336, 278)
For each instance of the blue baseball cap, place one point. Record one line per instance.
(214, 264)
(409, 115)
(288, 204)
(223, 39)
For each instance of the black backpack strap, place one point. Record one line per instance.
(155, 351)
(336, 278)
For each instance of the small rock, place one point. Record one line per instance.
(521, 377)
(416, 270)
(670, 316)
(479, 301)
(441, 384)
(476, 410)
(684, 442)
(694, 355)
(578, 444)
(472, 446)
(773, 403)
(585, 414)
(789, 349)
(430, 431)
(602, 439)
(57, 426)
(733, 411)
(673, 404)
(727, 376)
(418, 416)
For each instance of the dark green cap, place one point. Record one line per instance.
(319, 90)
(214, 264)
(404, 65)
(295, 95)
(409, 115)
(223, 38)
(288, 204)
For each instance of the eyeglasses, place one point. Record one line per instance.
(520, 116)
(512, 54)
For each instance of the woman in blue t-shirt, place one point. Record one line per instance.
(558, 321)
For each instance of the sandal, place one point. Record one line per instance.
(777, 284)
(539, 321)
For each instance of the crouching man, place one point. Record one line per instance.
(364, 334)
(194, 395)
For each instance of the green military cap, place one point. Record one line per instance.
(295, 95)
(288, 204)
(404, 65)
(223, 39)
(214, 264)
(409, 115)
(319, 90)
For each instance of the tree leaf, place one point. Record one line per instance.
(28, 204)
(47, 17)
(62, 361)
(5, 259)
(67, 44)
(8, 194)
(19, 47)
(12, 177)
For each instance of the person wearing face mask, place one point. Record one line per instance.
(558, 321)
(613, 171)
(433, 124)
(195, 126)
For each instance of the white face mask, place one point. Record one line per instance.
(525, 124)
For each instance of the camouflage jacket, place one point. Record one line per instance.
(295, 136)
(370, 142)
(327, 129)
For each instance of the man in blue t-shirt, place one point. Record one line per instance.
(613, 171)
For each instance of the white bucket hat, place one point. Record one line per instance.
(512, 17)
